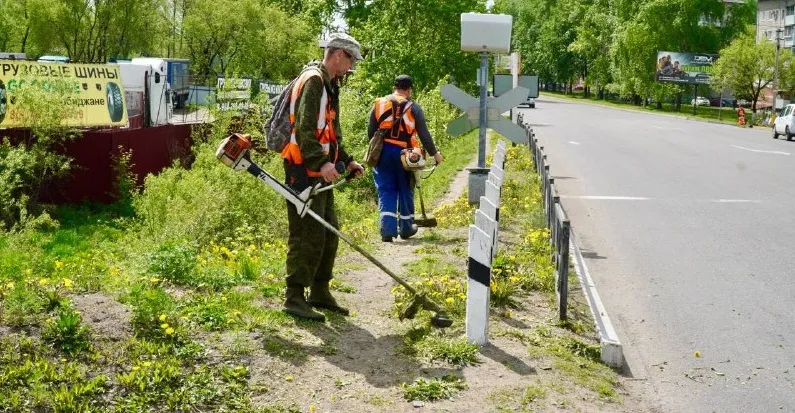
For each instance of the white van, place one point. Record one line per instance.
(785, 122)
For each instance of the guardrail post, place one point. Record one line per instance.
(478, 285)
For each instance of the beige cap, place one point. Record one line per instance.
(347, 43)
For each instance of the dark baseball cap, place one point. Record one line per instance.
(403, 82)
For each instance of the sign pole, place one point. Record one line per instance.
(484, 76)
(695, 97)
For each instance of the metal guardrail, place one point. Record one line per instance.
(563, 239)
(557, 220)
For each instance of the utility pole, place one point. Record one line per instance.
(775, 69)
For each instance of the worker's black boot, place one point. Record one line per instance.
(295, 304)
(320, 297)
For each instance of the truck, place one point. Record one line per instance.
(147, 92)
(178, 76)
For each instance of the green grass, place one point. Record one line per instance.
(194, 279)
(727, 115)
(433, 389)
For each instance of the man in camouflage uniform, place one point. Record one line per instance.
(311, 159)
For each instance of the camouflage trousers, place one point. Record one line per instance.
(311, 248)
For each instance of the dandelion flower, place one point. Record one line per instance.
(164, 326)
(67, 283)
(162, 317)
(449, 300)
(43, 281)
(10, 286)
(169, 331)
(58, 265)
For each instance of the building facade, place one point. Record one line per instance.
(772, 15)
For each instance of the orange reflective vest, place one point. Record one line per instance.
(324, 131)
(404, 130)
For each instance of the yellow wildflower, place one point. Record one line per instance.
(449, 300)
(223, 298)
(10, 286)
(43, 281)
(289, 378)
(58, 265)
(312, 408)
(162, 317)
(135, 368)
(67, 283)
(169, 331)
(164, 326)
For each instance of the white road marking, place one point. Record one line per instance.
(574, 143)
(737, 201)
(760, 151)
(607, 198)
(667, 128)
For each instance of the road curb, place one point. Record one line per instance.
(612, 350)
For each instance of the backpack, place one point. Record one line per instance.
(376, 145)
(279, 128)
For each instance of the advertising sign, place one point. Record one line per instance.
(95, 90)
(233, 93)
(687, 68)
(273, 89)
(503, 83)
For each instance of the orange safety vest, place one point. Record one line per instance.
(324, 131)
(404, 131)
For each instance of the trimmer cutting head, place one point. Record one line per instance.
(440, 319)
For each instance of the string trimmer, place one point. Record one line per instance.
(235, 153)
(425, 221)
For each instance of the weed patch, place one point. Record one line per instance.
(433, 389)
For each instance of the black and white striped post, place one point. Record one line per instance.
(477, 318)
(482, 250)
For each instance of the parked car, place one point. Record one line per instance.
(699, 101)
(529, 103)
(785, 123)
(727, 102)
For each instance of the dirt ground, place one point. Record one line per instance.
(356, 364)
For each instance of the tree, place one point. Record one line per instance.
(245, 37)
(415, 37)
(747, 67)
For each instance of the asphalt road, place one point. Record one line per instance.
(688, 229)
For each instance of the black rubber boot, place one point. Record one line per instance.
(295, 304)
(414, 230)
(320, 297)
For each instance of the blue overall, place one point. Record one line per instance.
(395, 194)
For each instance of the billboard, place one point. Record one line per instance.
(686, 68)
(95, 90)
(504, 82)
(233, 93)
